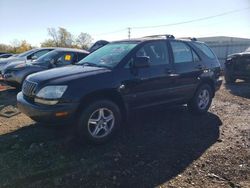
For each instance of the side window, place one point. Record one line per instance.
(156, 51)
(65, 59)
(81, 56)
(205, 49)
(40, 53)
(182, 52)
(195, 56)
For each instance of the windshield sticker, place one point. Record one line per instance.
(67, 58)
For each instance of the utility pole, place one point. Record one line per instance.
(129, 32)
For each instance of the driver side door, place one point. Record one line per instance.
(150, 85)
(67, 58)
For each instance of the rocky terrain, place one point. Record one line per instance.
(162, 147)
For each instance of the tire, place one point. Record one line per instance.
(201, 100)
(98, 121)
(229, 78)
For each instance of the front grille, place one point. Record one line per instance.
(29, 88)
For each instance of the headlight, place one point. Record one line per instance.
(20, 65)
(50, 94)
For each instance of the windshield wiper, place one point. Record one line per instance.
(90, 64)
(94, 65)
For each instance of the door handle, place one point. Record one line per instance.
(173, 75)
(169, 71)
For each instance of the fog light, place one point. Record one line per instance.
(47, 102)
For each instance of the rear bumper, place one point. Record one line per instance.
(47, 113)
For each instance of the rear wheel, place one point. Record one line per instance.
(201, 100)
(99, 121)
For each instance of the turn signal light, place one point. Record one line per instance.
(59, 114)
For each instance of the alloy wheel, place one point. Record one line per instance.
(203, 99)
(101, 122)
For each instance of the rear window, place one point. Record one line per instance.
(206, 50)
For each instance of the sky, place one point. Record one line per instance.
(109, 19)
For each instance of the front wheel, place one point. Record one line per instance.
(99, 121)
(201, 100)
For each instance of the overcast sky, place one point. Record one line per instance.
(29, 19)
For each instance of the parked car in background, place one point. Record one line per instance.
(25, 56)
(113, 81)
(7, 55)
(1, 53)
(98, 44)
(15, 73)
(237, 66)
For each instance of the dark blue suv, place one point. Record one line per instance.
(100, 91)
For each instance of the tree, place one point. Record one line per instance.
(59, 38)
(24, 46)
(63, 38)
(5, 48)
(83, 40)
(16, 46)
(48, 43)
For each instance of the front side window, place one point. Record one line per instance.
(195, 56)
(109, 55)
(40, 53)
(205, 49)
(81, 56)
(24, 54)
(66, 58)
(156, 51)
(182, 52)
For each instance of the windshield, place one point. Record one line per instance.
(24, 54)
(109, 55)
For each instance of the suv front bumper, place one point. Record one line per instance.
(47, 113)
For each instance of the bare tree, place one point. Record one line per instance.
(83, 40)
(61, 37)
(53, 33)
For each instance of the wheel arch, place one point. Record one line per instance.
(209, 82)
(105, 94)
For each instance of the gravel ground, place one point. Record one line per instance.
(159, 147)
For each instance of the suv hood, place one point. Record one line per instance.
(65, 74)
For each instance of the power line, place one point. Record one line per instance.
(194, 20)
(111, 32)
(128, 29)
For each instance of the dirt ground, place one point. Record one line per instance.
(162, 147)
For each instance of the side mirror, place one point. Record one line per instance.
(141, 62)
(34, 57)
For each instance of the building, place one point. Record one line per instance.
(224, 46)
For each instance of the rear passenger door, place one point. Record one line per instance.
(188, 66)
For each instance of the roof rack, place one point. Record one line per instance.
(163, 35)
(189, 38)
